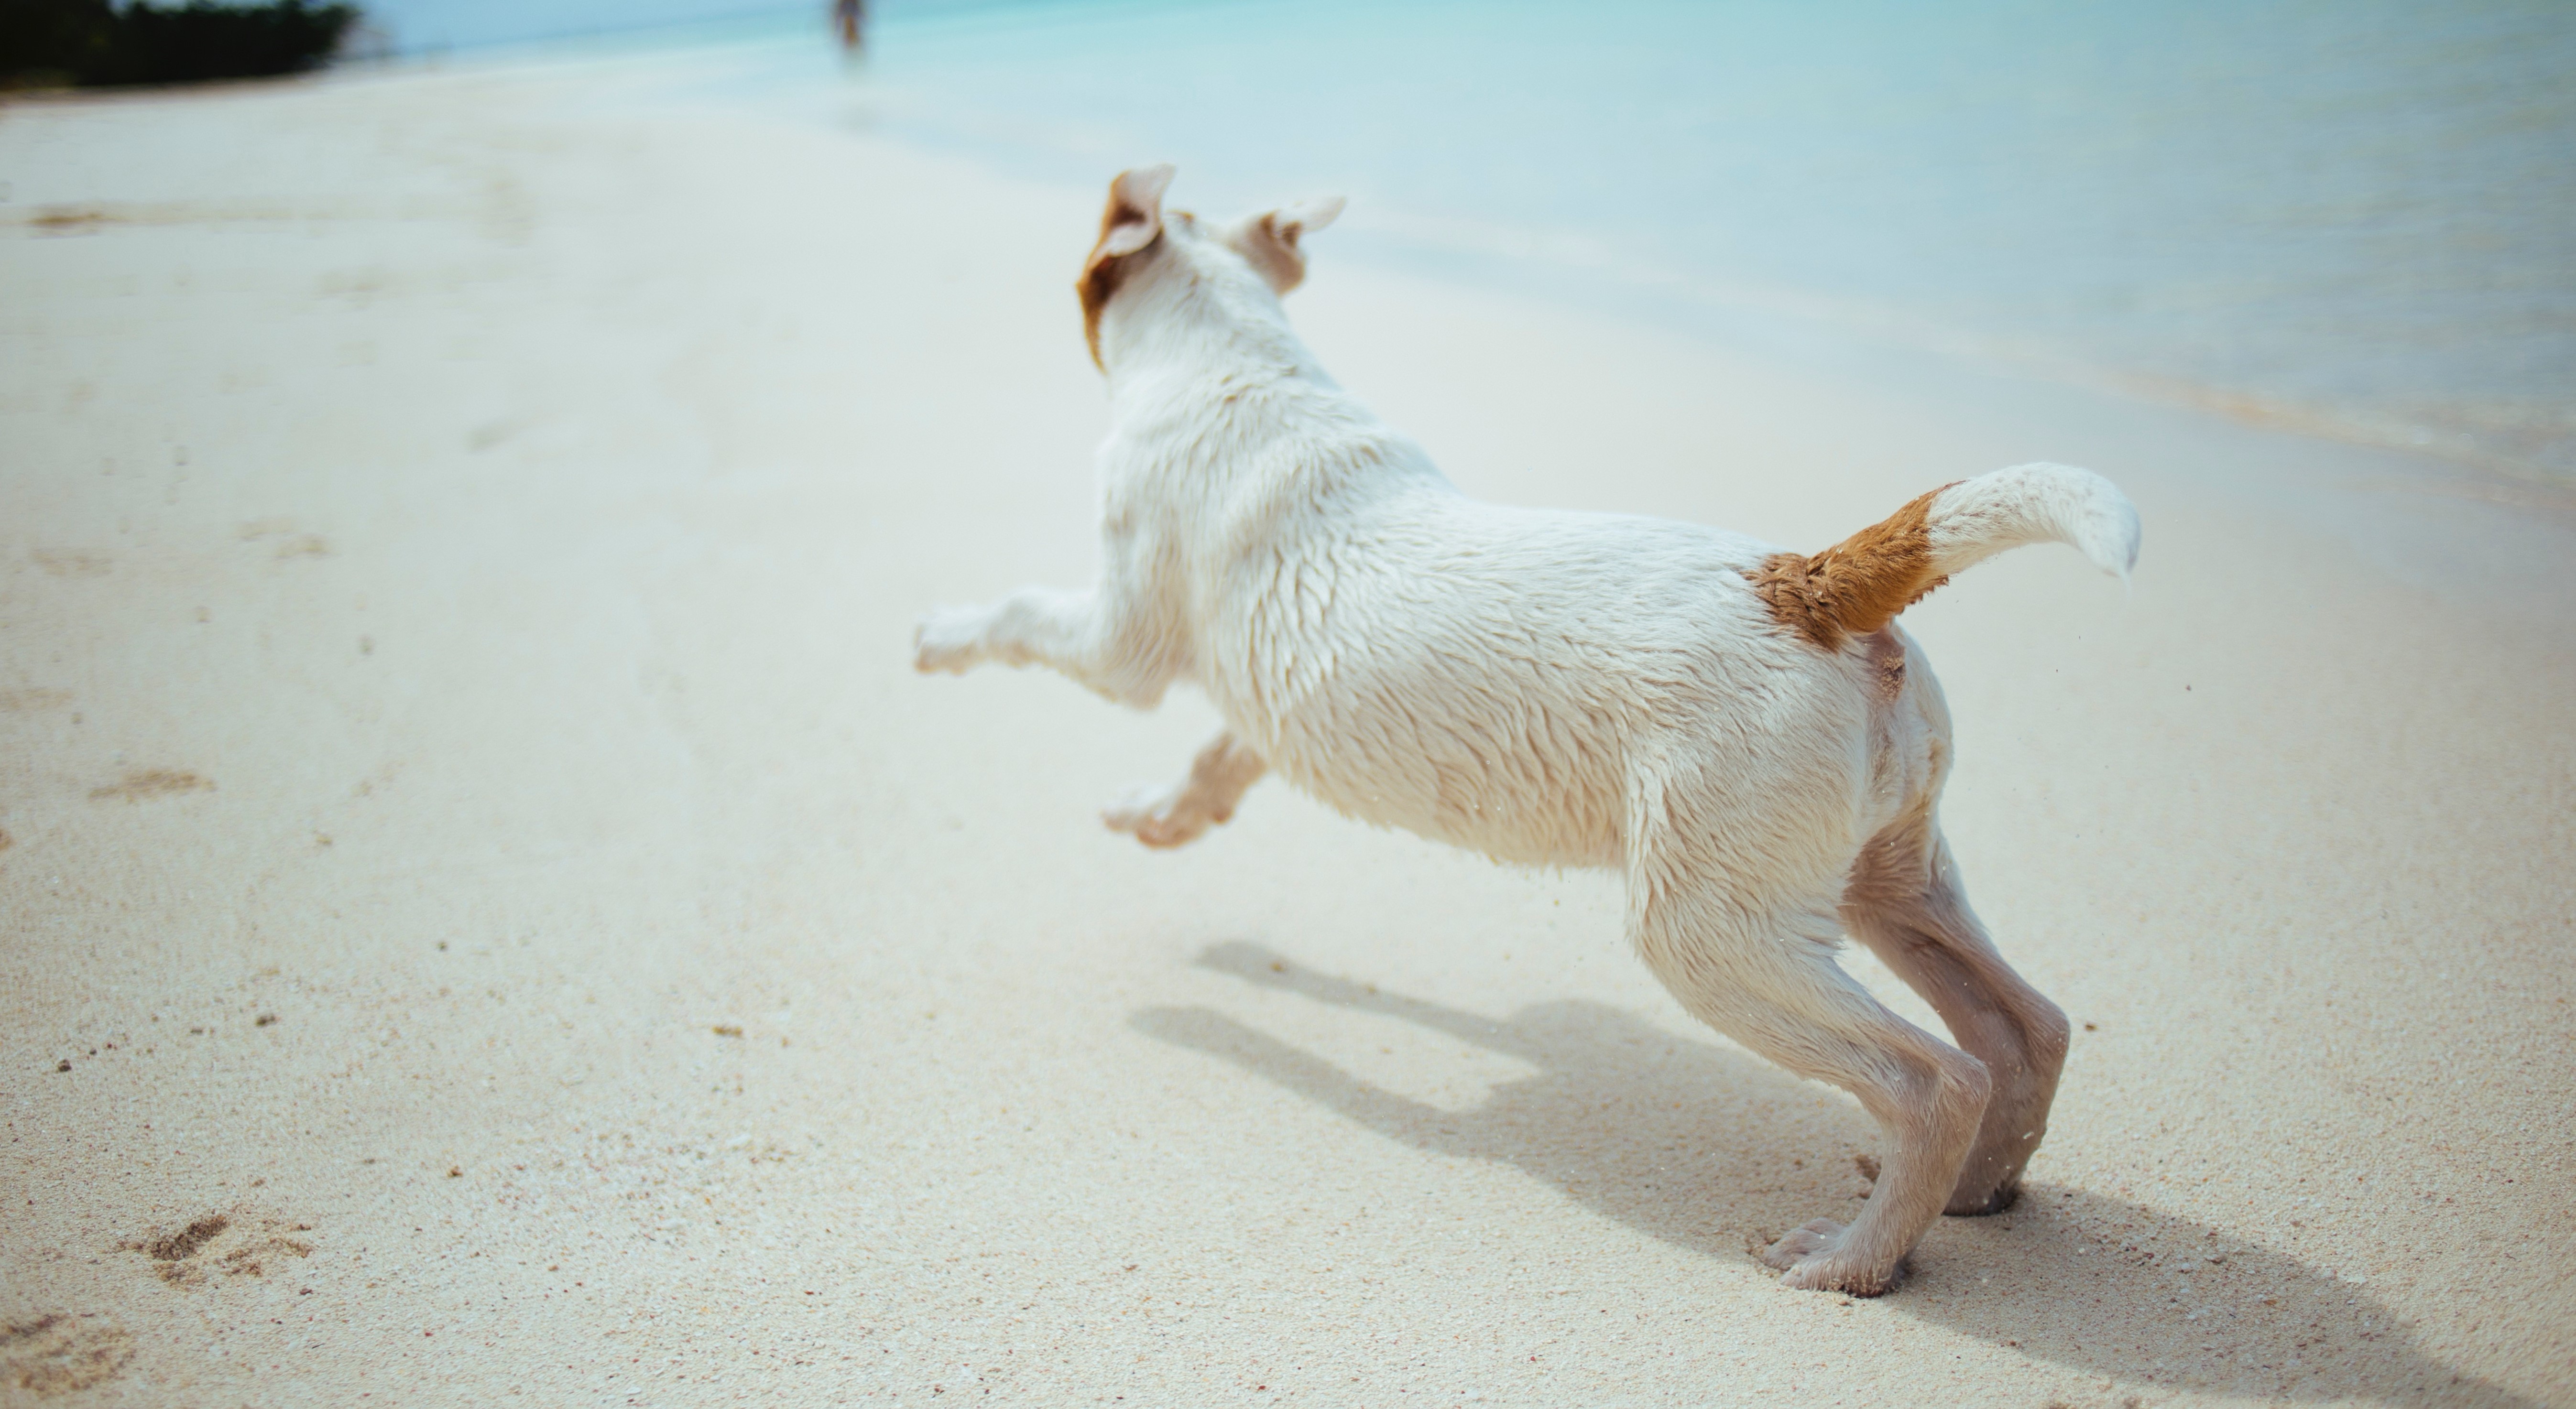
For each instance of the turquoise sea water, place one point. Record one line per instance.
(2356, 218)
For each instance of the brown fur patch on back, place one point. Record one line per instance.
(1102, 273)
(1858, 585)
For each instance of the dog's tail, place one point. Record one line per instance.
(1861, 583)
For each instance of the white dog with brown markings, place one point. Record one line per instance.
(1740, 730)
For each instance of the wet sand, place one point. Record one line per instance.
(492, 913)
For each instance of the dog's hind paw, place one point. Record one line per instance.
(1813, 1258)
(1158, 817)
(1970, 1202)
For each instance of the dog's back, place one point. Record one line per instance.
(1506, 679)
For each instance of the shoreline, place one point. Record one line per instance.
(1571, 266)
(2316, 469)
(470, 824)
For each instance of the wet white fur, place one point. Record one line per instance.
(1559, 689)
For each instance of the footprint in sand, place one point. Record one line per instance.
(222, 1244)
(57, 1354)
(152, 782)
(295, 545)
(30, 700)
(73, 562)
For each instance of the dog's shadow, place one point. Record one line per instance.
(1668, 1136)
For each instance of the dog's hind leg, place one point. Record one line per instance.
(1905, 903)
(1178, 814)
(1760, 969)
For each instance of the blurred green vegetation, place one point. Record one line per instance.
(49, 43)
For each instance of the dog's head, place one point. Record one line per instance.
(1139, 245)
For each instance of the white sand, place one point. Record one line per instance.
(459, 536)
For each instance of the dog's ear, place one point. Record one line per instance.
(1269, 240)
(1131, 225)
(1134, 218)
(1135, 215)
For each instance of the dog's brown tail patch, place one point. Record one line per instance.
(1858, 585)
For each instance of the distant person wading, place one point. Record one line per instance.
(850, 19)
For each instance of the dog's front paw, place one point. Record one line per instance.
(949, 639)
(1814, 1259)
(1158, 817)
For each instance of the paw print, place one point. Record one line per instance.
(221, 1244)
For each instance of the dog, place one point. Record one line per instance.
(1741, 731)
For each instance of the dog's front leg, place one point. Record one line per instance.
(1096, 638)
(1178, 814)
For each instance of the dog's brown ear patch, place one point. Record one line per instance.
(1130, 225)
(1857, 586)
(1269, 240)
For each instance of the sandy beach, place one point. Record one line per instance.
(491, 915)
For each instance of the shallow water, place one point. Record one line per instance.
(2356, 218)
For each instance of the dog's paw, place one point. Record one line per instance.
(948, 639)
(1813, 1259)
(1977, 1199)
(1158, 817)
